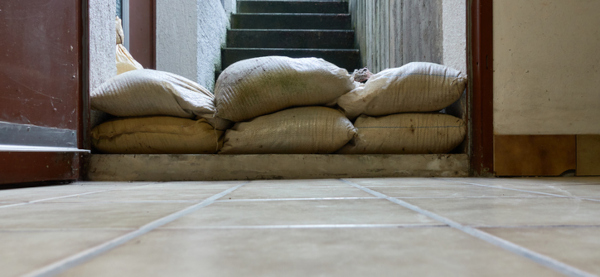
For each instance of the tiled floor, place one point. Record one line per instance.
(349, 227)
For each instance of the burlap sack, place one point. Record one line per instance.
(156, 135)
(306, 130)
(125, 62)
(406, 134)
(259, 86)
(147, 92)
(414, 87)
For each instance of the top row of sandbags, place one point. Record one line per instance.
(260, 86)
(264, 85)
(414, 87)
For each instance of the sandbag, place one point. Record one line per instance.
(259, 86)
(126, 62)
(414, 87)
(156, 135)
(411, 133)
(119, 29)
(305, 130)
(147, 92)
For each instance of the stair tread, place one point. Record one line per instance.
(280, 6)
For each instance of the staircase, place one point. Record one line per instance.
(294, 29)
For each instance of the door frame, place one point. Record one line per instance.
(480, 65)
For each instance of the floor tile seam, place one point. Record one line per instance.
(296, 199)
(42, 230)
(475, 197)
(90, 253)
(487, 237)
(64, 197)
(531, 191)
(307, 226)
(552, 226)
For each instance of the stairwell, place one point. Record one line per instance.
(294, 29)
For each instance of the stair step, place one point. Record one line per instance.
(327, 21)
(291, 7)
(323, 39)
(344, 58)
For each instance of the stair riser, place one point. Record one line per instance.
(290, 39)
(289, 21)
(291, 7)
(349, 60)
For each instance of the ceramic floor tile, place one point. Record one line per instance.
(45, 192)
(301, 213)
(450, 191)
(23, 252)
(578, 247)
(312, 252)
(85, 215)
(293, 191)
(305, 183)
(514, 211)
(222, 185)
(399, 182)
(144, 194)
(590, 191)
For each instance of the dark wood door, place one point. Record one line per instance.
(41, 88)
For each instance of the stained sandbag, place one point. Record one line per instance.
(305, 130)
(126, 62)
(148, 92)
(259, 86)
(156, 135)
(411, 133)
(414, 87)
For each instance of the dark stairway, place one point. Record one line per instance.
(294, 29)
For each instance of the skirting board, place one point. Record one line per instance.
(175, 167)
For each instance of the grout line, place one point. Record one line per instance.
(310, 226)
(64, 230)
(507, 245)
(68, 196)
(297, 199)
(530, 191)
(86, 255)
(535, 226)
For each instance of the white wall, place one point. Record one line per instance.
(189, 36)
(454, 22)
(546, 67)
(102, 41)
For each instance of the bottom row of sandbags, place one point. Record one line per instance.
(306, 130)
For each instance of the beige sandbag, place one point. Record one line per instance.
(125, 62)
(119, 29)
(406, 134)
(156, 135)
(306, 130)
(259, 86)
(150, 92)
(414, 87)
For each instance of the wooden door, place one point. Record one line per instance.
(42, 107)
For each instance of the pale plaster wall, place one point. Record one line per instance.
(455, 34)
(102, 52)
(102, 41)
(546, 67)
(189, 36)
(176, 28)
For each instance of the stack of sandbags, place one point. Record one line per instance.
(166, 113)
(391, 106)
(125, 62)
(257, 94)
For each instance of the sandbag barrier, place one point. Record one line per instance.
(280, 105)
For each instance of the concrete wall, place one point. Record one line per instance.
(546, 67)
(102, 51)
(391, 33)
(102, 41)
(189, 36)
